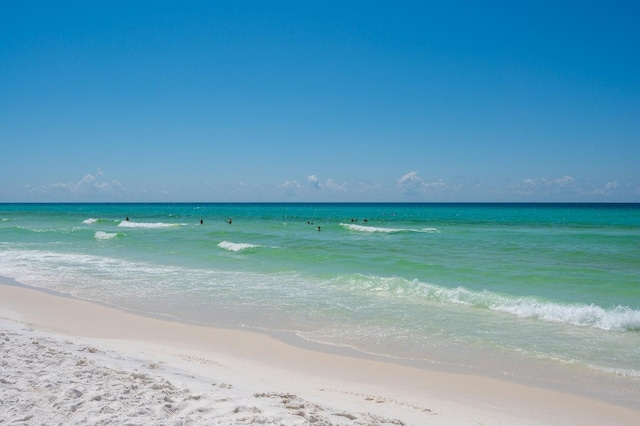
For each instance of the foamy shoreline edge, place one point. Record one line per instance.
(240, 377)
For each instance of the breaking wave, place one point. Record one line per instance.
(227, 245)
(616, 318)
(156, 225)
(372, 229)
(101, 235)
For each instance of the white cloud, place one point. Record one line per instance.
(439, 184)
(411, 184)
(88, 186)
(329, 185)
(335, 187)
(364, 187)
(291, 188)
(313, 179)
(545, 186)
(249, 187)
(608, 188)
(611, 185)
(568, 188)
(565, 180)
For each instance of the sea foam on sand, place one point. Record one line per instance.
(64, 361)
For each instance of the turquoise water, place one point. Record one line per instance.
(548, 293)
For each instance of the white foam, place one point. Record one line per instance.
(372, 229)
(428, 230)
(625, 372)
(100, 235)
(129, 224)
(619, 318)
(228, 245)
(89, 221)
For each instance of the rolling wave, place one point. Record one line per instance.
(92, 220)
(617, 318)
(227, 245)
(101, 235)
(372, 229)
(156, 225)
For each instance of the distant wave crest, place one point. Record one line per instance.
(372, 229)
(227, 245)
(92, 220)
(101, 235)
(129, 224)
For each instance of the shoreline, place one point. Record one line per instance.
(256, 364)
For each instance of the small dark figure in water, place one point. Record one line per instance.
(127, 219)
(318, 228)
(230, 221)
(201, 222)
(366, 220)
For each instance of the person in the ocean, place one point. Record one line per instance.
(127, 219)
(230, 221)
(318, 228)
(201, 222)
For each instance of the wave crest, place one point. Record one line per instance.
(618, 318)
(228, 245)
(373, 229)
(101, 235)
(129, 224)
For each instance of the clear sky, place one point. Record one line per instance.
(320, 101)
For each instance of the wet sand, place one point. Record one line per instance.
(74, 362)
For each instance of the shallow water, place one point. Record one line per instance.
(542, 292)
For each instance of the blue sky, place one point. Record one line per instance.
(319, 101)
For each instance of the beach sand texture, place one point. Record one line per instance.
(65, 361)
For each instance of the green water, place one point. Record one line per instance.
(501, 289)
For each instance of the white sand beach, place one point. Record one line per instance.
(65, 361)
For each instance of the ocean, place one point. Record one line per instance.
(544, 294)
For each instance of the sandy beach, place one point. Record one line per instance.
(66, 361)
